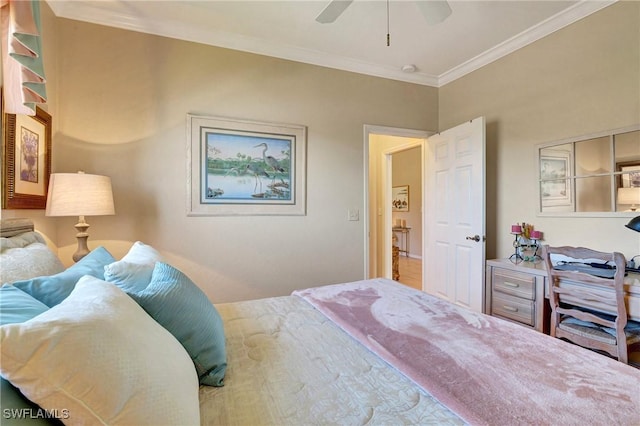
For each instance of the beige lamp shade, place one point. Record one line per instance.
(79, 194)
(629, 196)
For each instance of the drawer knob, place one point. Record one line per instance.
(514, 285)
(509, 308)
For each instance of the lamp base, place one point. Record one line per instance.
(82, 236)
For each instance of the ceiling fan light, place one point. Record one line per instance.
(434, 11)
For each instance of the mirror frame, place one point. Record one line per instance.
(569, 158)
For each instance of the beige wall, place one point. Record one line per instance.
(580, 80)
(407, 170)
(122, 112)
(49, 22)
(119, 102)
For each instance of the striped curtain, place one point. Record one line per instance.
(22, 64)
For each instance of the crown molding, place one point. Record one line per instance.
(93, 12)
(566, 17)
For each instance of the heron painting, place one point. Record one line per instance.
(242, 167)
(245, 167)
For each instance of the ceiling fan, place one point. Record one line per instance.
(434, 11)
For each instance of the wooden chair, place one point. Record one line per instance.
(589, 310)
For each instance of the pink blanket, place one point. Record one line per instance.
(484, 369)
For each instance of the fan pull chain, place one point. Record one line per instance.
(388, 36)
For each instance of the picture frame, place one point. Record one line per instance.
(400, 198)
(630, 176)
(245, 167)
(26, 160)
(556, 189)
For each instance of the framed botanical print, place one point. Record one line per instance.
(26, 160)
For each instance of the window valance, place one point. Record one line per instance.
(22, 64)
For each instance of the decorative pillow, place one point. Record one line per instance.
(20, 240)
(53, 289)
(14, 402)
(177, 304)
(17, 306)
(133, 271)
(107, 362)
(26, 256)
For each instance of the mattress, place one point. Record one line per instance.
(289, 365)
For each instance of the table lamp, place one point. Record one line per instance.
(629, 196)
(634, 224)
(79, 194)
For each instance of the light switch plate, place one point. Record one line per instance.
(353, 214)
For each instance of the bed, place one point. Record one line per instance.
(134, 341)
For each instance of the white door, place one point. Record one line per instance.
(453, 268)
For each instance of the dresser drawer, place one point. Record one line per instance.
(515, 308)
(515, 283)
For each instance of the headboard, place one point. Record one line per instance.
(11, 227)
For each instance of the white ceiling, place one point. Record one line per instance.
(477, 32)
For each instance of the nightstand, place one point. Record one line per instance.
(516, 292)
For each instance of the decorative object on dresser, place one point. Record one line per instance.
(591, 312)
(80, 194)
(516, 230)
(525, 243)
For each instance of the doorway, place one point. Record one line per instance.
(453, 175)
(407, 215)
(381, 144)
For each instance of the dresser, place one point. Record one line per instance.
(518, 292)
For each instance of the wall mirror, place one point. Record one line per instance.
(596, 175)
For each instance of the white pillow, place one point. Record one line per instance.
(26, 256)
(98, 358)
(133, 272)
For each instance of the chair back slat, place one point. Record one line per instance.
(606, 301)
(585, 278)
(586, 316)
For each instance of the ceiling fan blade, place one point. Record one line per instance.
(434, 11)
(333, 10)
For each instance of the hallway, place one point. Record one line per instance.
(410, 272)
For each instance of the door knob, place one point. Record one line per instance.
(475, 238)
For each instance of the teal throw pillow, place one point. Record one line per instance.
(16, 306)
(177, 304)
(53, 289)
